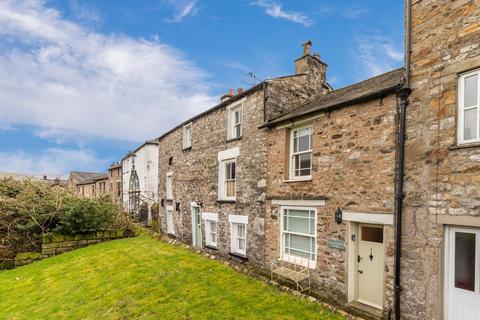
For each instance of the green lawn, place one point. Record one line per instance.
(141, 278)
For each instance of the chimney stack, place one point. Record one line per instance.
(227, 96)
(310, 64)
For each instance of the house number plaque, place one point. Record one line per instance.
(336, 244)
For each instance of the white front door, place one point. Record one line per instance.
(462, 276)
(370, 265)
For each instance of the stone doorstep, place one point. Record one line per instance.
(250, 271)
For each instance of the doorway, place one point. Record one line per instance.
(196, 225)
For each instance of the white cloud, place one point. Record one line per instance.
(276, 10)
(85, 12)
(68, 80)
(53, 161)
(378, 54)
(183, 9)
(354, 12)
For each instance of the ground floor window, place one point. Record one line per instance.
(211, 228)
(170, 222)
(238, 234)
(298, 233)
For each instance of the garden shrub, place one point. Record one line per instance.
(30, 208)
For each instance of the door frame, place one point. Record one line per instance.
(354, 219)
(449, 261)
(193, 205)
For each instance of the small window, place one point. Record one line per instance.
(239, 238)
(229, 177)
(170, 222)
(169, 187)
(170, 161)
(301, 153)
(372, 234)
(469, 107)
(211, 233)
(187, 136)
(235, 120)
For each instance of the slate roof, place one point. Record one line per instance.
(372, 88)
(86, 177)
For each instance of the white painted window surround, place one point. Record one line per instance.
(169, 185)
(170, 220)
(187, 136)
(227, 172)
(469, 107)
(298, 233)
(302, 203)
(301, 149)
(211, 228)
(238, 234)
(235, 120)
(372, 218)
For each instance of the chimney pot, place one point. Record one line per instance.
(239, 90)
(44, 177)
(306, 47)
(231, 92)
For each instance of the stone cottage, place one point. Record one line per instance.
(213, 167)
(330, 191)
(440, 261)
(115, 182)
(140, 180)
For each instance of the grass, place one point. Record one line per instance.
(141, 278)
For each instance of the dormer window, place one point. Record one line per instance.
(235, 121)
(469, 107)
(187, 136)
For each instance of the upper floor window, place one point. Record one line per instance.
(168, 186)
(227, 175)
(235, 119)
(301, 153)
(469, 107)
(187, 136)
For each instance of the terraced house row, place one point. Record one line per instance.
(367, 196)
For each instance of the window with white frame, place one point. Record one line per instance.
(227, 174)
(238, 234)
(469, 107)
(187, 136)
(301, 153)
(235, 119)
(168, 186)
(170, 221)
(211, 228)
(298, 233)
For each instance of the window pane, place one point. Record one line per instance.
(238, 130)
(471, 91)
(305, 160)
(241, 244)
(230, 188)
(299, 225)
(301, 243)
(304, 143)
(470, 124)
(372, 234)
(241, 230)
(465, 261)
(295, 144)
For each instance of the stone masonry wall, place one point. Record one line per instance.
(195, 170)
(353, 168)
(442, 180)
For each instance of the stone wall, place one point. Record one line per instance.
(195, 170)
(54, 243)
(442, 179)
(353, 169)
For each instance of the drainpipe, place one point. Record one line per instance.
(404, 94)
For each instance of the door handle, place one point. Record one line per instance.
(359, 258)
(360, 271)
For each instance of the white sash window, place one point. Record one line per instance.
(469, 107)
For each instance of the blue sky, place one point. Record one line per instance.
(84, 81)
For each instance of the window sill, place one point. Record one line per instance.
(211, 247)
(187, 148)
(465, 146)
(306, 179)
(238, 255)
(226, 201)
(234, 139)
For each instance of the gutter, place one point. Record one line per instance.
(404, 94)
